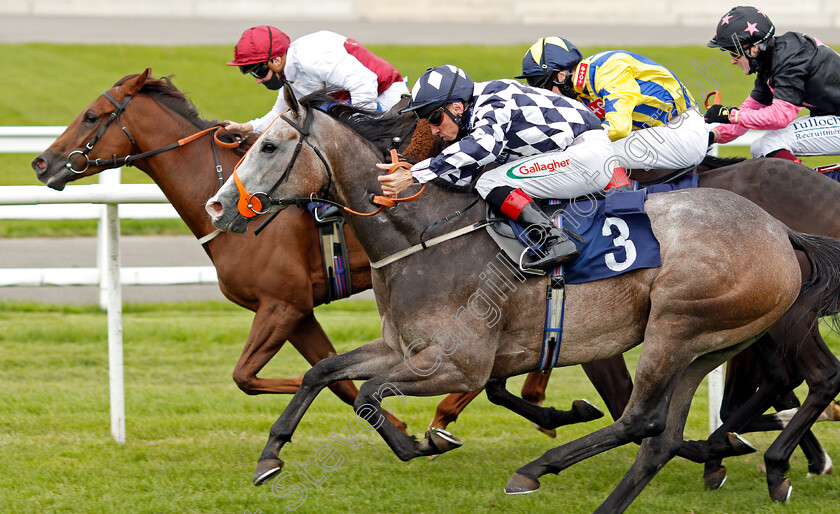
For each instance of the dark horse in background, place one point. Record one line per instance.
(761, 376)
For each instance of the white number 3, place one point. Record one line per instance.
(620, 241)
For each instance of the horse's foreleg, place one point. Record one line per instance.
(546, 417)
(819, 463)
(450, 407)
(271, 328)
(361, 363)
(311, 341)
(403, 380)
(313, 344)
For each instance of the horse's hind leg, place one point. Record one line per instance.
(657, 373)
(822, 371)
(656, 451)
(612, 381)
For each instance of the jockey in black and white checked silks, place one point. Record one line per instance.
(508, 120)
(547, 146)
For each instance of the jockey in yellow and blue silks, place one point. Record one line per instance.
(650, 115)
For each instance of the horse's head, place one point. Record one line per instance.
(284, 163)
(95, 134)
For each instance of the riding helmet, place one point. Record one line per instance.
(741, 28)
(259, 44)
(438, 87)
(546, 56)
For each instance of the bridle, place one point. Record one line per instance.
(251, 205)
(128, 160)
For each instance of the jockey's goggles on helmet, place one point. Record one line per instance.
(259, 71)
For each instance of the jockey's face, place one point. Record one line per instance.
(742, 61)
(448, 129)
(276, 65)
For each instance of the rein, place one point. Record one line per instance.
(251, 205)
(129, 159)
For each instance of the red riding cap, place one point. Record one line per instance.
(259, 44)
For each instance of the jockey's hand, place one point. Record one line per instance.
(720, 114)
(241, 129)
(396, 182)
(712, 137)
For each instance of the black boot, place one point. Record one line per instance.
(558, 248)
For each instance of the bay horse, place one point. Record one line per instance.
(762, 376)
(278, 275)
(709, 299)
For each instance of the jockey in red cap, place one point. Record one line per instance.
(350, 71)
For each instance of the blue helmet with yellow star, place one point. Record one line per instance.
(547, 56)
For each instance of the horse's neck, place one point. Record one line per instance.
(187, 175)
(400, 227)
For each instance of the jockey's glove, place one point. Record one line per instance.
(720, 114)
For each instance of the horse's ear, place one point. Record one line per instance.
(291, 101)
(132, 86)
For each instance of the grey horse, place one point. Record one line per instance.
(455, 315)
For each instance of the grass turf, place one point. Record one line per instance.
(193, 437)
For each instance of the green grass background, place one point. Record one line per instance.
(193, 438)
(46, 84)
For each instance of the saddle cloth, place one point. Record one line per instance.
(616, 229)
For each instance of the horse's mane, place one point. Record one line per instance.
(713, 163)
(164, 91)
(375, 127)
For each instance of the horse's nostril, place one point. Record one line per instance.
(39, 164)
(214, 209)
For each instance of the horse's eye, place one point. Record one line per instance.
(90, 117)
(268, 147)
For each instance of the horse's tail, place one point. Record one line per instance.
(822, 288)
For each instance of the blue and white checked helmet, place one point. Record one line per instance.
(438, 87)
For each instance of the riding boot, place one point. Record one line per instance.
(557, 247)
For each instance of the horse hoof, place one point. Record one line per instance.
(827, 469)
(781, 493)
(550, 432)
(267, 469)
(443, 440)
(739, 445)
(520, 484)
(715, 480)
(587, 410)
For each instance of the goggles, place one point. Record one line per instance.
(259, 71)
